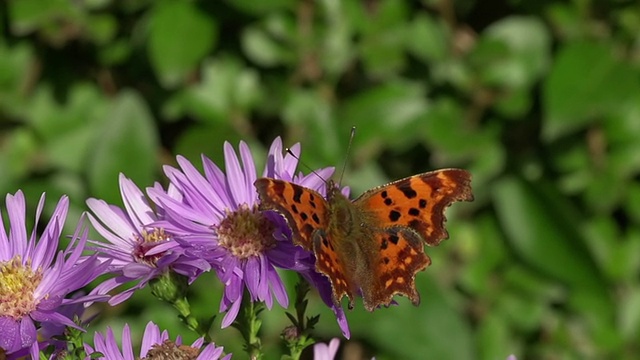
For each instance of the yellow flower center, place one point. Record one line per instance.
(246, 232)
(149, 240)
(18, 282)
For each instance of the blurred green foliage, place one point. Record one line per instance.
(539, 100)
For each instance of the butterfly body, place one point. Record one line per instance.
(372, 246)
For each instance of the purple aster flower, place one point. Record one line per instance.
(155, 345)
(137, 250)
(322, 351)
(218, 219)
(36, 278)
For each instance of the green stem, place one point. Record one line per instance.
(172, 288)
(249, 323)
(297, 336)
(184, 309)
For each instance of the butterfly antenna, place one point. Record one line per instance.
(346, 157)
(288, 151)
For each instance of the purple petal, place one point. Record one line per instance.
(16, 209)
(9, 339)
(27, 332)
(250, 172)
(235, 176)
(252, 276)
(140, 214)
(277, 286)
(231, 314)
(127, 347)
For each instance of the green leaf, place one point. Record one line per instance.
(102, 28)
(270, 43)
(389, 112)
(126, 141)
(311, 117)
(262, 8)
(115, 52)
(484, 253)
(493, 334)
(541, 229)
(632, 202)
(227, 90)
(180, 35)
(429, 38)
(28, 15)
(18, 148)
(384, 34)
(448, 129)
(337, 50)
(587, 81)
(513, 52)
(618, 254)
(15, 65)
(630, 314)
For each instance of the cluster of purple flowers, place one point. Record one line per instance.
(199, 223)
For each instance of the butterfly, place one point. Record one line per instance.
(374, 245)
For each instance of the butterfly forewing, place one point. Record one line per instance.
(418, 201)
(304, 209)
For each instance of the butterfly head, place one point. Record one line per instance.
(334, 190)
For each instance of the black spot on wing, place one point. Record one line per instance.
(414, 212)
(422, 203)
(297, 193)
(315, 218)
(394, 215)
(394, 239)
(407, 190)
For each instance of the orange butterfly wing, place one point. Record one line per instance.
(305, 210)
(403, 214)
(418, 201)
(307, 213)
(400, 257)
(329, 263)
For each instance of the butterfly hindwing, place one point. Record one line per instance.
(401, 256)
(329, 263)
(305, 209)
(418, 202)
